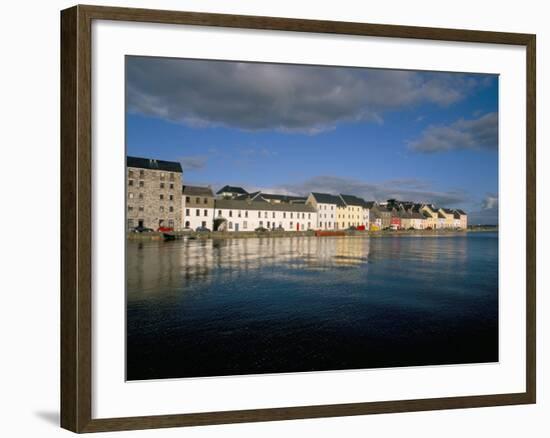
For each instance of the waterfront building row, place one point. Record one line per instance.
(156, 199)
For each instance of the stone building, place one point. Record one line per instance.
(153, 193)
(197, 207)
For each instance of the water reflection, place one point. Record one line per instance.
(246, 306)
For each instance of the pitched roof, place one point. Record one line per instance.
(234, 204)
(460, 211)
(353, 200)
(370, 204)
(197, 191)
(327, 198)
(153, 164)
(232, 189)
(282, 198)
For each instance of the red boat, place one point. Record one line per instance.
(323, 233)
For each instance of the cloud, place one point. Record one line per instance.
(404, 189)
(193, 163)
(288, 98)
(489, 202)
(488, 212)
(480, 133)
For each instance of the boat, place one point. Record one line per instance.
(324, 233)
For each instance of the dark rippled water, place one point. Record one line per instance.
(249, 306)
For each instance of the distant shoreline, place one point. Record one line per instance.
(277, 234)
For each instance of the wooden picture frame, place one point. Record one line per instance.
(76, 218)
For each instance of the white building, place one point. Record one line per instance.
(197, 207)
(325, 205)
(245, 215)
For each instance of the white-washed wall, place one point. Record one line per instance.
(326, 216)
(249, 220)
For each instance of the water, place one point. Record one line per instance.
(250, 306)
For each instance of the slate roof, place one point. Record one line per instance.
(152, 164)
(460, 211)
(370, 204)
(232, 189)
(198, 191)
(326, 198)
(234, 204)
(353, 200)
(282, 198)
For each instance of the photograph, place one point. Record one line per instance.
(292, 218)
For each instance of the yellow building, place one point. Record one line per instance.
(430, 214)
(351, 213)
(449, 217)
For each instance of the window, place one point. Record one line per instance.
(273, 216)
(245, 213)
(187, 199)
(291, 215)
(230, 225)
(171, 177)
(130, 208)
(171, 223)
(130, 174)
(142, 183)
(140, 208)
(161, 208)
(197, 212)
(141, 196)
(162, 175)
(245, 225)
(187, 224)
(161, 196)
(130, 223)
(268, 224)
(187, 212)
(320, 224)
(291, 224)
(219, 212)
(230, 213)
(261, 223)
(161, 185)
(171, 197)
(206, 212)
(309, 215)
(238, 213)
(205, 200)
(131, 182)
(142, 173)
(171, 208)
(203, 224)
(284, 214)
(198, 200)
(265, 214)
(131, 195)
(309, 225)
(259, 214)
(303, 215)
(171, 185)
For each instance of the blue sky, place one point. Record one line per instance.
(379, 134)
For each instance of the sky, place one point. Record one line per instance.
(292, 129)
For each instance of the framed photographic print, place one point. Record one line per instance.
(269, 218)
